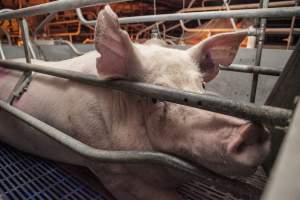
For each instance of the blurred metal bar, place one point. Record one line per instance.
(250, 13)
(72, 4)
(43, 23)
(259, 114)
(55, 6)
(70, 45)
(26, 77)
(2, 55)
(145, 157)
(284, 183)
(7, 35)
(252, 69)
(259, 48)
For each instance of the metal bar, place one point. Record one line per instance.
(260, 42)
(146, 157)
(240, 6)
(260, 114)
(292, 28)
(26, 77)
(70, 45)
(2, 55)
(249, 13)
(72, 4)
(284, 183)
(252, 69)
(55, 6)
(43, 23)
(7, 35)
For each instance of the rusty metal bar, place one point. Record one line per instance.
(146, 157)
(260, 114)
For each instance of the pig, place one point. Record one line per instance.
(113, 120)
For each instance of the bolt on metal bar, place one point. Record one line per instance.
(55, 6)
(260, 42)
(259, 114)
(133, 157)
(251, 69)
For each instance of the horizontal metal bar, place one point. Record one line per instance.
(249, 13)
(72, 4)
(145, 157)
(261, 114)
(55, 6)
(252, 69)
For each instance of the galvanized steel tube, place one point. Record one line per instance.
(260, 114)
(71, 4)
(252, 69)
(55, 6)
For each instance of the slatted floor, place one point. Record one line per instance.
(23, 176)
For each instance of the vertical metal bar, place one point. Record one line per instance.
(2, 56)
(26, 76)
(231, 19)
(42, 24)
(259, 41)
(290, 38)
(7, 35)
(26, 39)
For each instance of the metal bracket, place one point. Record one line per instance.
(20, 88)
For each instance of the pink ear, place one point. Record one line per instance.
(114, 45)
(216, 50)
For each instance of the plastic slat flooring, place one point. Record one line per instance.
(23, 176)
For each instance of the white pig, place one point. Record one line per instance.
(114, 120)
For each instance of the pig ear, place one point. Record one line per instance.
(216, 50)
(118, 54)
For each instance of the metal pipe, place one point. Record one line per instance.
(260, 42)
(250, 13)
(252, 69)
(43, 23)
(70, 45)
(132, 157)
(55, 6)
(2, 55)
(7, 34)
(72, 4)
(240, 6)
(26, 76)
(26, 41)
(260, 114)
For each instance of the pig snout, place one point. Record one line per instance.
(249, 146)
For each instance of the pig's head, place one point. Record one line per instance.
(224, 144)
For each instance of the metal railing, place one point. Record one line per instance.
(262, 114)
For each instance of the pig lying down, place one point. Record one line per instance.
(113, 120)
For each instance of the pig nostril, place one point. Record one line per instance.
(240, 147)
